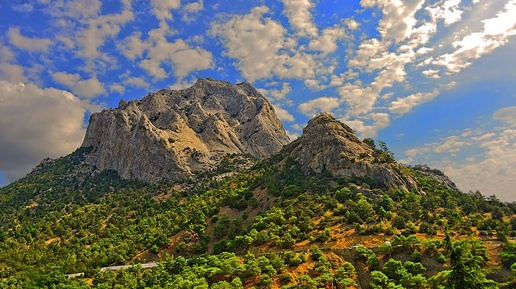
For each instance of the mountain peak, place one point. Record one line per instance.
(174, 134)
(330, 145)
(325, 121)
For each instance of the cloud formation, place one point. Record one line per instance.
(490, 170)
(37, 123)
(83, 87)
(27, 43)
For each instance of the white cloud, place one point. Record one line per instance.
(379, 121)
(327, 42)
(162, 8)
(504, 23)
(351, 24)
(86, 88)
(156, 53)
(278, 94)
(100, 28)
(495, 33)
(75, 9)
(80, 26)
(194, 7)
(359, 99)
(117, 88)
(137, 81)
(431, 73)
(300, 17)
(490, 169)
(405, 104)
(398, 17)
(448, 10)
(191, 59)
(182, 84)
(132, 46)
(37, 123)
(321, 104)
(12, 72)
(190, 10)
(283, 114)
(261, 47)
(494, 172)
(27, 43)
(506, 115)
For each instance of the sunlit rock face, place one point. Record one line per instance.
(331, 146)
(175, 134)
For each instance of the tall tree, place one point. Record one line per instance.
(465, 268)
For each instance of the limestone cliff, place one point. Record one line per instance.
(174, 134)
(331, 146)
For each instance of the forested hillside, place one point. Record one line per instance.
(264, 227)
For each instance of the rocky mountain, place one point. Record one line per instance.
(302, 218)
(331, 146)
(173, 134)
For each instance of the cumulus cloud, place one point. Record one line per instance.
(283, 114)
(117, 88)
(495, 33)
(182, 84)
(12, 72)
(398, 17)
(327, 41)
(137, 81)
(37, 123)
(162, 8)
(489, 170)
(300, 16)
(81, 26)
(99, 28)
(27, 43)
(191, 9)
(261, 47)
(321, 104)
(405, 104)
(277, 94)
(506, 115)
(447, 10)
(493, 173)
(375, 122)
(83, 87)
(157, 52)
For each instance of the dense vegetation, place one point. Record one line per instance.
(265, 227)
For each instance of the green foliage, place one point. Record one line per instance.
(66, 218)
(466, 259)
(508, 256)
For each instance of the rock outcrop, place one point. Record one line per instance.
(331, 146)
(176, 134)
(436, 174)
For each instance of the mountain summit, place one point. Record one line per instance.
(173, 134)
(331, 146)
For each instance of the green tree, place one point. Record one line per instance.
(465, 268)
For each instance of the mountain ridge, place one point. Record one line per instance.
(174, 134)
(327, 210)
(328, 145)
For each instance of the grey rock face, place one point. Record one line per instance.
(175, 134)
(327, 144)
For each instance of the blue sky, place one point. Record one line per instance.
(434, 79)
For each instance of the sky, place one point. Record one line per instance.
(435, 80)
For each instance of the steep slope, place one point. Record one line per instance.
(175, 134)
(331, 146)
